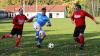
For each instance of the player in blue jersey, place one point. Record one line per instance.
(41, 20)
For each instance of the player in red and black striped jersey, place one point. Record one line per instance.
(18, 23)
(78, 18)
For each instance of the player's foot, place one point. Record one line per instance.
(39, 46)
(81, 47)
(2, 37)
(16, 47)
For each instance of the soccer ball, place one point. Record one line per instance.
(50, 45)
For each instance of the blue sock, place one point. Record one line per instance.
(40, 41)
(37, 34)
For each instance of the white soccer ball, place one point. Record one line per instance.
(50, 45)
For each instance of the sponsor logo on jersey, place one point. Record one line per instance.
(77, 16)
(21, 21)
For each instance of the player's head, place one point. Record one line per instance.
(43, 10)
(20, 11)
(77, 7)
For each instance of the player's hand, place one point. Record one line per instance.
(97, 22)
(48, 25)
(73, 22)
(29, 20)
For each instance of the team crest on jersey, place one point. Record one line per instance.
(77, 16)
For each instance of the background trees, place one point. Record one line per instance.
(88, 5)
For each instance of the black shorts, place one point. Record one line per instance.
(16, 31)
(79, 30)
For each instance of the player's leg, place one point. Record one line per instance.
(36, 26)
(37, 29)
(9, 35)
(42, 35)
(81, 36)
(76, 34)
(18, 37)
(6, 36)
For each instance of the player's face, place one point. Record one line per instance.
(20, 11)
(76, 9)
(43, 12)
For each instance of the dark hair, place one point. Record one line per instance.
(43, 8)
(20, 9)
(77, 5)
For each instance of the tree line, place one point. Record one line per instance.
(86, 4)
(31, 2)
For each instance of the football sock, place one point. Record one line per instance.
(40, 41)
(7, 36)
(17, 41)
(37, 34)
(81, 39)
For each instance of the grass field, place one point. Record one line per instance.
(60, 34)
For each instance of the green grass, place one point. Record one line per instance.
(60, 34)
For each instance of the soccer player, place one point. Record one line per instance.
(18, 23)
(41, 20)
(78, 18)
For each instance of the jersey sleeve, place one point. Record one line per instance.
(47, 18)
(72, 17)
(88, 15)
(26, 18)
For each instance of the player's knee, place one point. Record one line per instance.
(18, 36)
(37, 29)
(42, 34)
(81, 34)
(11, 35)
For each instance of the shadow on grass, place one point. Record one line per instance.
(64, 46)
(33, 32)
(24, 32)
(93, 34)
(9, 51)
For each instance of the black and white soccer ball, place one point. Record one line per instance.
(51, 45)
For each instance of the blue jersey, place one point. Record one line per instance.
(41, 19)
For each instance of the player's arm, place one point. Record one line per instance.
(91, 17)
(31, 19)
(72, 18)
